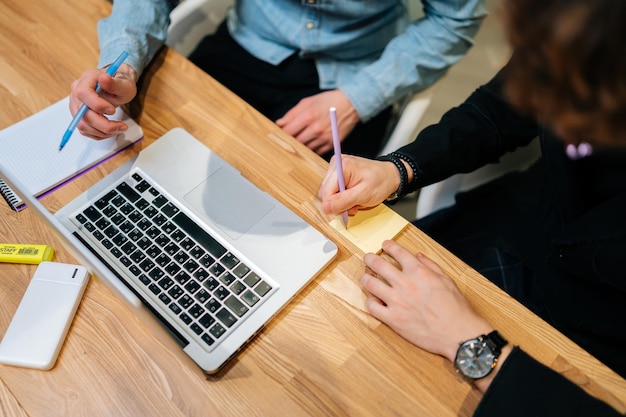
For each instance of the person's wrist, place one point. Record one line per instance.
(127, 72)
(411, 167)
(403, 176)
(483, 384)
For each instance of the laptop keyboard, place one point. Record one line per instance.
(201, 284)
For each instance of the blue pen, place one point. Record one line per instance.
(83, 109)
(337, 149)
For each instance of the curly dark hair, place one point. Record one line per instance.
(568, 68)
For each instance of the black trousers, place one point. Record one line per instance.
(274, 89)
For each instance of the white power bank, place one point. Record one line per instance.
(40, 324)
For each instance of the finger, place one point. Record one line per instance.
(375, 286)
(377, 308)
(329, 183)
(401, 255)
(341, 201)
(382, 267)
(292, 124)
(429, 263)
(96, 126)
(325, 148)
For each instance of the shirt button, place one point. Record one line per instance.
(310, 25)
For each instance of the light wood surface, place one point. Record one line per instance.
(323, 355)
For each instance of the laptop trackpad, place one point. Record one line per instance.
(230, 202)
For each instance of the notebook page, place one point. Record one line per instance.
(29, 148)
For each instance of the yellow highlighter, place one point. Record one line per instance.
(25, 253)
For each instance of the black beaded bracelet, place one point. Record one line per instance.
(404, 176)
(411, 185)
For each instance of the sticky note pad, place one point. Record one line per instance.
(369, 228)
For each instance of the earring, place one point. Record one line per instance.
(579, 151)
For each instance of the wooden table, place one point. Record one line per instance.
(321, 356)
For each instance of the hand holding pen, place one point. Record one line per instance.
(83, 108)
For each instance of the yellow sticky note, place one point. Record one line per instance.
(369, 228)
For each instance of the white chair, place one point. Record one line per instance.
(405, 125)
(192, 20)
(441, 194)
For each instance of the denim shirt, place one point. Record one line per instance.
(367, 48)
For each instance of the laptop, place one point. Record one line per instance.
(178, 231)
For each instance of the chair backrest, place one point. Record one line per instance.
(192, 20)
(442, 194)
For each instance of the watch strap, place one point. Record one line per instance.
(496, 342)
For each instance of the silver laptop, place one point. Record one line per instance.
(181, 232)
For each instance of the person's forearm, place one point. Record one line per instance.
(524, 387)
(137, 26)
(477, 132)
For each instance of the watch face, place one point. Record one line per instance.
(475, 359)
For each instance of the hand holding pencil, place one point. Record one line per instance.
(366, 184)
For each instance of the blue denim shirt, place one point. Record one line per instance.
(367, 48)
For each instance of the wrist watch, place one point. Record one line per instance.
(477, 357)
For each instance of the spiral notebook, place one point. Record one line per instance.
(14, 201)
(29, 150)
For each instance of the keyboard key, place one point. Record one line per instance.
(196, 329)
(263, 288)
(241, 270)
(159, 201)
(169, 209)
(142, 186)
(211, 284)
(164, 298)
(250, 298)
(185, 301)
(104, 200)
(92, 213)
(229, 260)
(251, 280)
(226, 317)
(172, 268)
(146, 265)
(196, 311)
(196, 232)
(213, 305)
(128, 192)
(207, 339)
(221, 293)
(237, 288)
(192, 287)
(175, 291)
(206, 320)
(236, 306)
(185, 318)
(202, 296)
(166, 283)
(182, 277)
(228, 279)
(175, 308)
